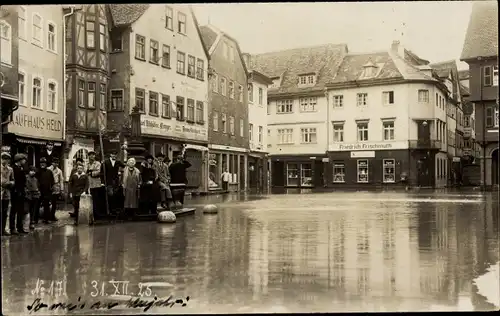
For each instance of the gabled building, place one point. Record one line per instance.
(480, 51)
(158, 64)
(228, 127)
(387, 121)
(297, 109)
(464, 75)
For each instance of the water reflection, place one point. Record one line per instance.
(315, 252)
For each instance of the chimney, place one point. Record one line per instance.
(246, 59)
(398, 49)
(426, 70)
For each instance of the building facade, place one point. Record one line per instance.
(387, 122)
(40, 115)
(296, 111)
(480, 51)
(159, 65)
(87, 50)
(228, 112)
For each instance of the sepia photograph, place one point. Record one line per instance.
(233, 158)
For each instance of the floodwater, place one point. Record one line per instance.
(316, 252)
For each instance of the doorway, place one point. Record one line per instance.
(494, 167)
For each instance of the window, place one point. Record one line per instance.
(181, 63)
(242, 128)
(165, 106)
(140, 99)
(338, 172)
(153, 103)
(261, 96)
(261, 131)
(363, 171)
(51, 97)
(306, 80)
(90, 34)
(362, 132)
(338, 101)
(81, 93)
(181, 24)
(21, 22)
(308, 135)
(51, 37)
(231, 125)
(116, 100)
(487, 76)
(215, 119)
(388, 97)
(200, 69)
(165, 60)
(389, 170)
(102, 100)
(199, 112)
(215, 83)
(153, 51)
(21, 80)
(191, 66)
(231, 89)
(338, 132)
(224, 123)
(102, 37)
(492, 116)
(190, 110)
(250, 92)
(423, 96)
(91, 95)
(495, 75)
(169, 18)
(268, 107)
(231, 54)
(437, 100)
(284, 106)
(223, 86)
(285, 136)
(388, 130)
(36, 30)
(37, 93)
(250, 132)
(140, 47)
(292, 172)
(180, 108)
(6, 42)
(308, 104)
(116, 41)
(362, 99)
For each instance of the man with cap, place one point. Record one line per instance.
(7, 184)
(46, 183)
(109, 174)
(149, 193)
(48, 154)
(94, 175)
(76, 162)
(178, 178)
(17, 210)
(58, 187)
(161, 167)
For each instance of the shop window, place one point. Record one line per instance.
(306, 177)
(389, 170)
(292, 172)
(363, 171)
(338, 172)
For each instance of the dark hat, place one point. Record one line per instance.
(31, 168)
(43, 159)
(160, 154)
(79, 159)
(19, 156)
(6, 156)
(50, 143)
(92, 153)
(148, 156)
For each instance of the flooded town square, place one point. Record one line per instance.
(291, 252)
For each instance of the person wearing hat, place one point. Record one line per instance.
(178, 178)
(58, 187)
(149, 188)
(94, 175)
(161, 167)
(110, 178)
(48, 154)
(7, 184)
(17, 210)
(46, 183)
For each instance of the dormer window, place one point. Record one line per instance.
(306, 80)
(370, 69)
(276, 83)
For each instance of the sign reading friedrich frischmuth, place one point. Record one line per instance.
(369, 146)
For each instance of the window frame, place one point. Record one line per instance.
(487, 76)
(89, 91)
(54, 96)
(338, 101)
(240, 93)
(22, 15)
(223, 85)
(423, 96)
(90, 34)
(82, 95)
(165, 52)
(341, 166)
(242, 128)
(494, 69)
(169, 10)
(200, 69)
(140, 94)
(261, 96)
(153, 100)
(113, 98)
(388, 129)
(181, 61)
(250, 133)
(231, 125)
(358, 165)
(282, 106)
(22, 99)
(250, 92)
(182, 116)
(140, 47)
(165, 102)
(305, 104)
(102, 37)
(306, 135)
(154, 47)
(190, 109)
(359, 131)
(103, 97)
(231, 89)
(39, 92)
(387, 96)
(215, 121)
(191, 66)
(181, 23)
(199, 112)
(224, 122)
(54, 34)
(6, 54)
(393, 168)
(285, 136)
(338, 133)
(362, 99)
(34, 40)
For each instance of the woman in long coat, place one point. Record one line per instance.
(131, 182)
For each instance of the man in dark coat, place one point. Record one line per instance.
(109, 174)
(17, 210)
(48, 153)
(178, 179)
(149, 192)
(46, 183)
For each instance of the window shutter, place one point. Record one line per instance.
(489, 116)
(487, 76)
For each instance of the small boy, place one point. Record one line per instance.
(33, 196)
(78, 186)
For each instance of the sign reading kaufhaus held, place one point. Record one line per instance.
(153, 126)
(36, 124)
(389, 145)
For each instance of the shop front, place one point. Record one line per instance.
(297, 171)
(232, 159)
(257, 171)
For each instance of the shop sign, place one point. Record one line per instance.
(363, 154)
(163, 127)
(369, 146)
(36, 124)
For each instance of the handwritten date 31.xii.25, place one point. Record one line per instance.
(95, 288)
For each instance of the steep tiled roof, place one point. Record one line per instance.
(290, 64)
(481, 38)
(464, 91)
(463, 74)
(444, 70)
(467, 107)
(414, 59)
(124, 14)
(208, 36)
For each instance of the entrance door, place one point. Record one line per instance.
(494, 167)
(423, 174)
(278, 174)
(318, 174)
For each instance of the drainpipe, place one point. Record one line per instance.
(481, 73)
(325, 176)
(64, 70)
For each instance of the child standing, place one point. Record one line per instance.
(33, 196)
(78, 185)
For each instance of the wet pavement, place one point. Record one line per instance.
(316, 252)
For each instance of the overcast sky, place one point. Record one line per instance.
(433, 30)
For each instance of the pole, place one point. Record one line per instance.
(104, 170)
(481, 73)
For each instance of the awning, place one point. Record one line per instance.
(36, 141)
(255, 155)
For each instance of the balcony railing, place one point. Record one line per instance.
(425, 144)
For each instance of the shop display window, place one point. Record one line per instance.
(292, 173)
(306, 175)
(338, 172)
(389, 172)
(362, 171)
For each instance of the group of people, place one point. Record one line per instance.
(116, 187)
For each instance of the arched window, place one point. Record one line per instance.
(52, 96)
(37, 93)
(82, 153)
(6, 42)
